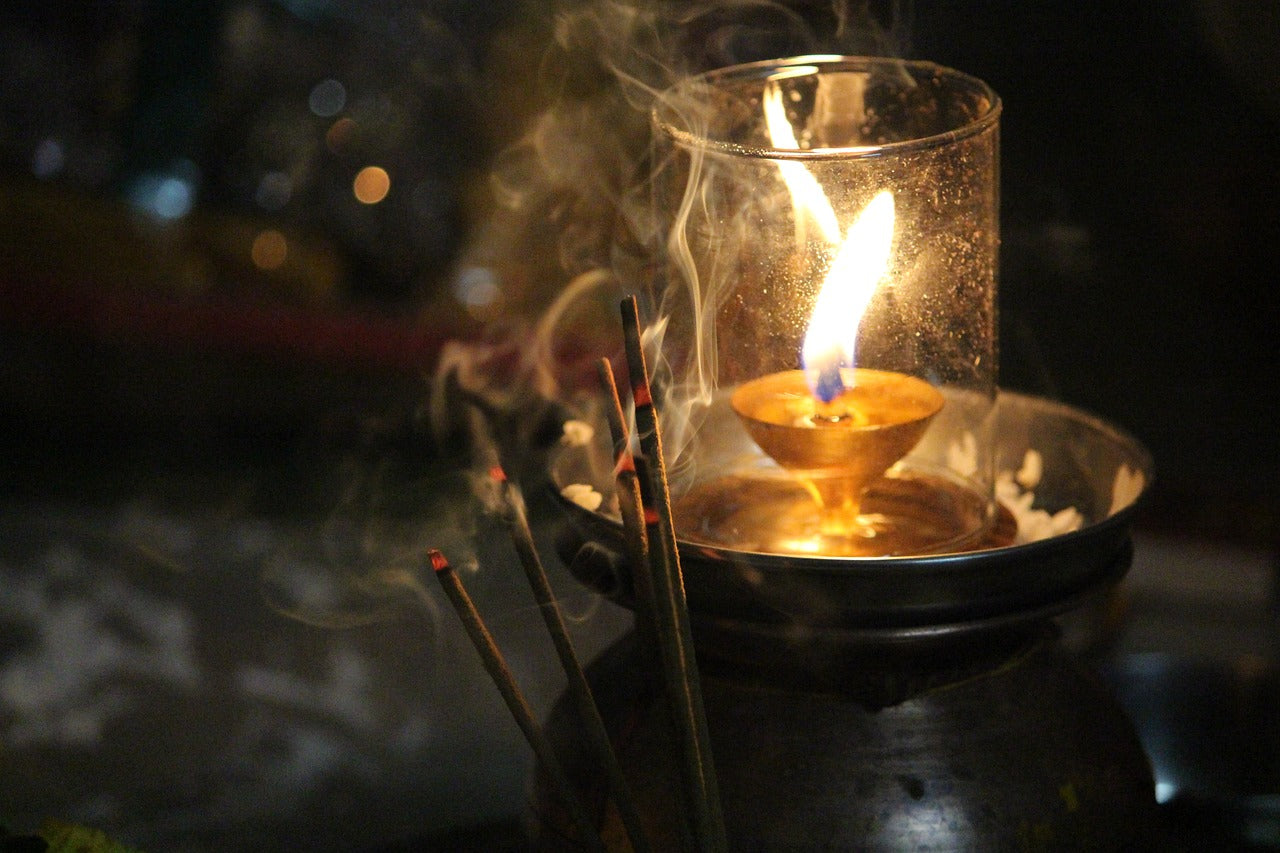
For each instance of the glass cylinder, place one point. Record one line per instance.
(824, 311)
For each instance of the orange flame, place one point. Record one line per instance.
(831, 340)
(854, 274)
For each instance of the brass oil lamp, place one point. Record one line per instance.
(832, 283)
(873, 627)
(837, 428)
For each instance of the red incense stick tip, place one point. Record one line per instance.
(497, 474)
(640, 393)
(650, 516)
(439, 561)
(624, 464)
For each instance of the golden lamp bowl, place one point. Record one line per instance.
(878, 418)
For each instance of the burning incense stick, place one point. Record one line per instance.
(631, 508)
(589, 714)
(671, 615)
(496, 665)
(640, 527)
(613, 409)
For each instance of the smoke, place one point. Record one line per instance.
(570, 227)
(365, 563)
(564, 229)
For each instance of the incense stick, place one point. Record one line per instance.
(640, 528)
(671, 616)
(613, 409)
(522, 537)
(631, 508)
(497, 668)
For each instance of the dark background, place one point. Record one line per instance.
(154, 378)
(1140, 232)
(1140, 239)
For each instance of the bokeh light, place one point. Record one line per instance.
(339, 134)
(167, 197)
(48, 158)
(327, 98)
(475, 287)
(371, 185)
(270, 248)
(274, 191)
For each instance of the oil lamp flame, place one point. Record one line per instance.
(860, 263)
(806, 193)
(863, 259)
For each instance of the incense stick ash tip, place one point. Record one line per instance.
(438, 560)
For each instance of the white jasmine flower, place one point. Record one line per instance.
(1032, 469)
(583, 495)
(577, 433)
(1125, 489)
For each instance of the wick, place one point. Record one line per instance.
(827, 413)
(823, 375)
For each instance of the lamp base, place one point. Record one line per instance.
(1005, 743)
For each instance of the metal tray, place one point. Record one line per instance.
(1088, 464)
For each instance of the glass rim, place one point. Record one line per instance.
(663, 108)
